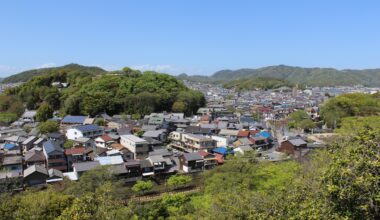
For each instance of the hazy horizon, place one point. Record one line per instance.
(196, 38)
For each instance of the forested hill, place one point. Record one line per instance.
(257, 83)
(306, 76)
(87, 92)
(27, 75)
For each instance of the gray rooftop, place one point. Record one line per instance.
(35, 168)
(297, 142)
(85, 166)
(192, 156)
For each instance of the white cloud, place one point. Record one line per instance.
(47, 65)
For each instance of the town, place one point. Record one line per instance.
(162, 144)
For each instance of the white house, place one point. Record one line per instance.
(87, 131)
(104, 141)
(138, 146)
(220, 141)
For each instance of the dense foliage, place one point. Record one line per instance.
(257, 83)
(10, 108)
(27, 75)
(301, 120)
(306, 76)
(48, 127)
(128, 91)
(349, 105)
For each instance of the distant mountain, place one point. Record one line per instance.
(257, 83)
(195, 78)
(26, 75)
(306, 76)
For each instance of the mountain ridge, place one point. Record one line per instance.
(313, 76)
(28, 74)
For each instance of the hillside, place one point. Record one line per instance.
(27, 75)
(306, 76)
(257, 83)
(90, 92)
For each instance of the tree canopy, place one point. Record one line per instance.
(348, 105)
(128, 91)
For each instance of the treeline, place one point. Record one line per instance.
(127, 91)
(257, 83)
(340, 182)
(10, 108)
(349, 105)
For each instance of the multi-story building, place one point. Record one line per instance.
(138, 146)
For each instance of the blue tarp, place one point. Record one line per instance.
(9, 146)
(265, 134)
(222, 150)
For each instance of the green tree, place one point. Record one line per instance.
(179, 181)
(142, 187)
(48, 126)
(44, 112)
(68, 144)
(179, 106)
(353, 177)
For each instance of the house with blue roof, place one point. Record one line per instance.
(74, 120)
(84, 131)
(55, 156)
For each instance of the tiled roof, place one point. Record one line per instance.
(34, 155)
(77, 150)
(87, 128)
(243, 133)
(192, 156)
(35, 168)
(71, 119)
(50, 146)
(106, 138)
(84, 166)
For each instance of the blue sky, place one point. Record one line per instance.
(196, 37)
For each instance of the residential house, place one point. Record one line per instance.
(191, 162)
(35, 175)
(56, 137)
(84, 142)
(28, 143)
(110, 160)
(38, 143)
(147, 168)
(243, 149)
(291, 146)
(12, 163)
(80, 168)
(160, 163)
(229, 133)
(87, 131)
(138, 146)
(54, 155)
(125, 153)
(210, 161)
(104, 141)
(198, 142)
(10, 132)
(133, 169)
(70, 120)
(75, 155)
(159, 135)
(34, 156)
